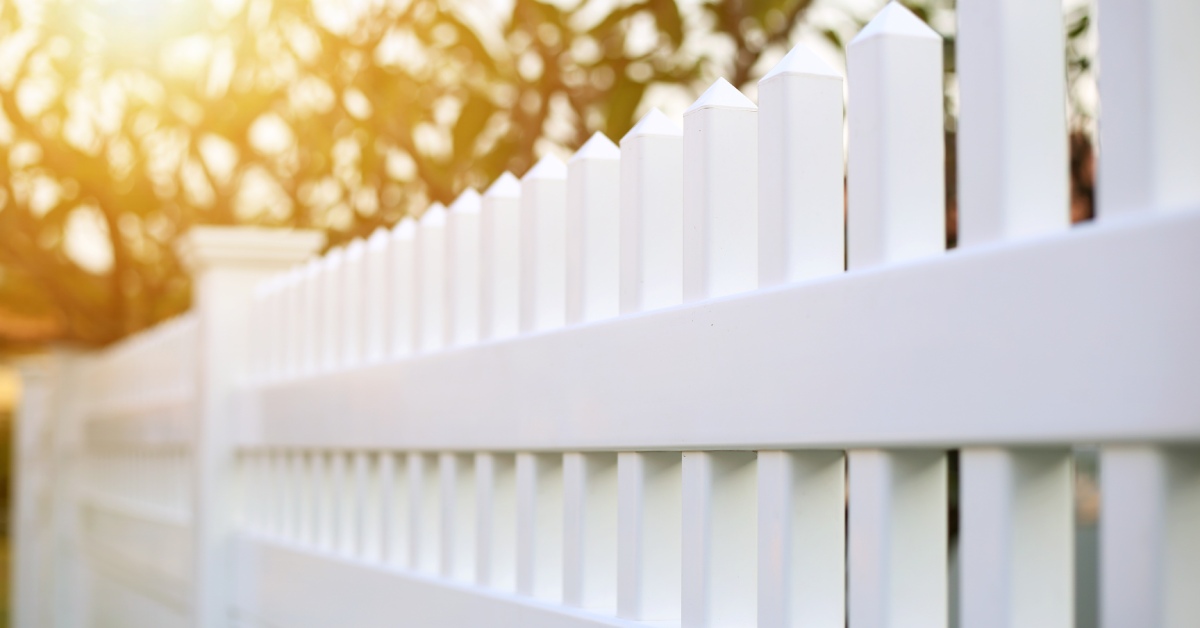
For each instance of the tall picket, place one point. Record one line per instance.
(377, 297)
(1016, 510)
(431, 279)
(1149, 95)
(720, 194)
(500, 258)
(463, 267)
(543, 281)
(593, 231)
(1150, 136)
(651, 223)
(801, 212)
(353, 302)
(403, 320)
(898, 503)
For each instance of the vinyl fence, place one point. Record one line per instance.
(674, 381)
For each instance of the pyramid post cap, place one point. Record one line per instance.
(895, 20)
(801, 60)
(466, 203)
(505, 186)
(598, 146)
(654, 123)
(548, 167)
(721, 95)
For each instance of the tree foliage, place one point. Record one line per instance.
(125, 123)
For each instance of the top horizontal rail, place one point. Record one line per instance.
(1078, 336)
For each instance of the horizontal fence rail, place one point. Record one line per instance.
(722, 372)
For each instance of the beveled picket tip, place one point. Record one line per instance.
(378, 239)
(597, 147)
(548, 167)
(467, 202)
(721, 95)
(506, 185)
(897, 21)
(435, 216)
(334, 256)
(654, 123)
(355, 249)
(405, 229)
(801, 60)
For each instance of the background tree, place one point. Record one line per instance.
(125, 123)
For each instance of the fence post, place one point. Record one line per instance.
(226, 264)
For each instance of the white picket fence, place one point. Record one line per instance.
(641, 389)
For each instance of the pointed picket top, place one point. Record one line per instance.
(356, 249)
(505, 186)
(405, 229)
(721, 95)
(467, 202)
(435, 216)
(335, 255)
(597, 147)
(895, 20)
(654, 123)
(378, 239)
(548, 167)
(312, 268)
(801, 60)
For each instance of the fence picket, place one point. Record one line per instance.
(463, 267)
(496, 507)
(1017, 537)
(331, 309)
(590, 530)
(377, 298)
(539, 525)
(651, 222)
(801, 538)
(896, 175)
(593, 231)
(1012, 132)
(1149, 549)
(801, 214)
(310, 318)
(1149, 93)
(500, 231)
(720, 539)
(458, 518)
(897, 556)
(720, 194)
(431, 279)
(404, 323)
(649, 536)
(353, 303)
(543, 252)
